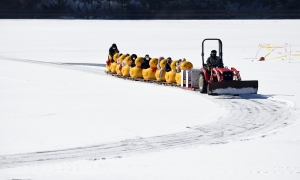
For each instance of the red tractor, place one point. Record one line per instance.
(218, 79)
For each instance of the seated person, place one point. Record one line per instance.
(113, 49)
(133, 57)
(168, 65)
(145, 64)
(178, 65)
(158, 64)
(214, 60)
(116, 51)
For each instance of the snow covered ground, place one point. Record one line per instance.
(62, 117)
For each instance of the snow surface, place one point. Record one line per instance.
(62, 117)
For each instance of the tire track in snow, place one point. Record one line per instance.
(72, 66)
(250, 116)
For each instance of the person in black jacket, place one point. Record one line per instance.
(168, 65)
(214, 60)
(145, 64)
(113, 49)
(133, 57)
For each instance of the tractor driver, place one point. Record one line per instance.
(214, 60)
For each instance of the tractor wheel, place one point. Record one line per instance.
(202, 84)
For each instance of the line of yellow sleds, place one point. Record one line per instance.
(120, 65)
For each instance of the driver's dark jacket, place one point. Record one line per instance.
(214, 62)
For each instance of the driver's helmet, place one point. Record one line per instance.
(213, 53)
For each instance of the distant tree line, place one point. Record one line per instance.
(94, 5)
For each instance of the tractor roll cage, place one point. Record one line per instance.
(220, 49)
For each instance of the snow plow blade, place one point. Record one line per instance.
(233, 87)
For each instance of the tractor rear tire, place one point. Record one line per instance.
(202, 84)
